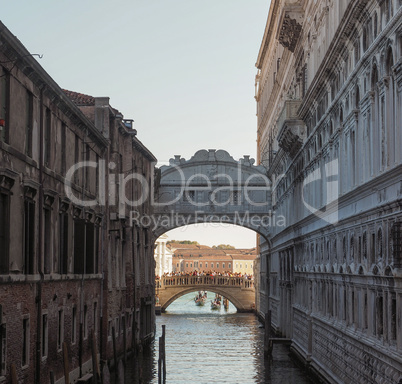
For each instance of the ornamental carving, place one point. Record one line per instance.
(7, 179)
(289, 33)
(292, 130)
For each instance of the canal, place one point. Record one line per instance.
(205, 346)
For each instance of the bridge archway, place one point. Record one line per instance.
(239, 290)
(222, 292)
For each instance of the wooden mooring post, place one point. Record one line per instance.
(95, 363)
(162, 358)
(268, 345)
(51, 373)
(66, 363)
(14, 378)
(114, 354)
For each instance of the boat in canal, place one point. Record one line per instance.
(216, 303)
(201, 298)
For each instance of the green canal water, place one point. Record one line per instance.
(207, 346)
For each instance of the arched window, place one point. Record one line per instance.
(334, 249)
(357, 96)
(374, 134)
(344, 248)
(379, 243)
(364, 245)
(365, 38)
(391, 100)
(374, 122)
(353, 156)
(372, 249)
(352, 248)
(396, 234)
(328, 249)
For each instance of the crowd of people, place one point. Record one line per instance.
(207, 273)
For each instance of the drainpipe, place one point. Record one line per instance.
(134, 323)
(102, 283)
(104, 210)
(39, 247)
(81, 342)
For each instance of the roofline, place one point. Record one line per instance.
(143, 149)
(43, 80)
(273, 9)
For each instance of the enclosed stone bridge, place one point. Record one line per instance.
(212, 187)
(238, 290)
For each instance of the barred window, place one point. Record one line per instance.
(364, 245)
(379, 243)
(396, 233)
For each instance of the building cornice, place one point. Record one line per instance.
(14, 49)
(337, 46)
(137, 144)
(268, 33)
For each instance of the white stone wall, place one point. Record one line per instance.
(335, 272)
(163, 256)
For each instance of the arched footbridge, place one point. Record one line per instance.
(238, 290)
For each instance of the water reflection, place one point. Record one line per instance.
(206, 347)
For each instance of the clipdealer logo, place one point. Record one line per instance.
(321, 188)
(230, 198)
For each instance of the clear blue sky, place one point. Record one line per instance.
(184, 70)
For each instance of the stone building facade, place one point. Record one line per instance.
(163, 256)
(129, 266)
(329, 102)
(67, 268)
(188, 258)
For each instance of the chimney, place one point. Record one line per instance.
(102, 115)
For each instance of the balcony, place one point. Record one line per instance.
(291, 130)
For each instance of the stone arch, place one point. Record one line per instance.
(208, 288)
(162, 230)
(375, 270)
(388, 271)
(360, 270)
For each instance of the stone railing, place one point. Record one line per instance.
(221, 281)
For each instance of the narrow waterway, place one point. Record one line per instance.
(213, 346)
